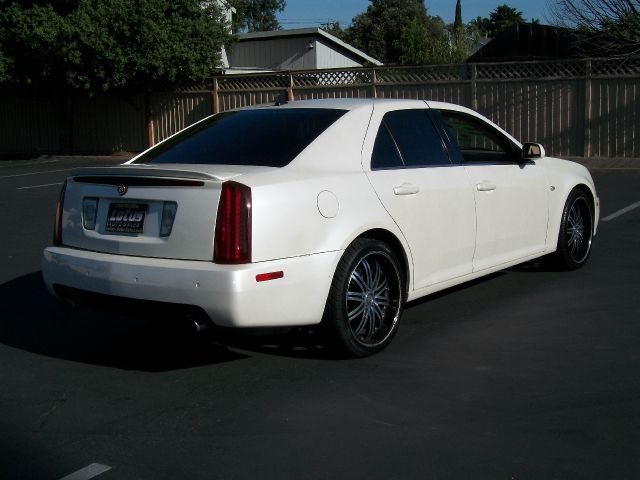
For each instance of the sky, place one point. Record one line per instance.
(311, 13)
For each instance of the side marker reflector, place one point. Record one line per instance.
(264, 277)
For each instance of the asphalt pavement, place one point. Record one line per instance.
(526, 374)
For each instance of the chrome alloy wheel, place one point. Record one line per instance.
(373, 299)
(578, 230)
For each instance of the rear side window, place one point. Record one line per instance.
(385, 153)
(416, 137)
(268, 137)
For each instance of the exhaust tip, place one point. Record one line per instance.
(198, 323)
(70, 304)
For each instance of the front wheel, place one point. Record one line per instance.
(576, 231)
(366, 298)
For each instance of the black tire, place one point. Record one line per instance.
(576, 232)
(366, 299)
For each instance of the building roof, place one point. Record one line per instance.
(307, 32)
(527, 41)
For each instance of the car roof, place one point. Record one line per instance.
(350, 103)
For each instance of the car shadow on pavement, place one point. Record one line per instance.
(302, 343)
(34, 321)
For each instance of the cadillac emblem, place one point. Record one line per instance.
(122, 189)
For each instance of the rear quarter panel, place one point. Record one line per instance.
(328, 176)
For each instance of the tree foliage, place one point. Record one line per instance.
(401, 31)
(458, 20)
(98, 45)
(333, 28)
(501, 18)
(377, 30)
(460, 47)
(257, 15)
(481, 24)
(612, 27)
(418, 46)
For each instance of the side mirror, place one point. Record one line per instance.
(531, 151)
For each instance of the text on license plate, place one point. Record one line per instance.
(126, 217)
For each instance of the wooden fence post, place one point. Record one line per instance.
(474, 86)
(374, 82)
(587, 150)
(149, 114)
(290, 95)
(215, 99)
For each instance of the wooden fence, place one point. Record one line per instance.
(582, 108)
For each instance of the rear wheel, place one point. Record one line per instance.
(576, 230)
(366, 298)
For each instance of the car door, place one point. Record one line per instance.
(510, 194)
(430, 200)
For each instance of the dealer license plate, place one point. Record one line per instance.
(126, 218)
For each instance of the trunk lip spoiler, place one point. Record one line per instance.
(137, 171)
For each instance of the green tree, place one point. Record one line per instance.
(420, 46)
(481, 25)
(378, 30)
(98, 45)
(502, 18)
(459, 48)
(458, 21)
(257, 15)
(333, 28)
(499, 19)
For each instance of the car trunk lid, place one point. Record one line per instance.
(166, 211)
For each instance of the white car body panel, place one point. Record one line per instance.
(305, 215)
(438, 221)
(511, 211)
(563, 176)
(227, 293)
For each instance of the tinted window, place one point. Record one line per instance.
(416, 137)
(269, 137)
(477, 141)
(385, 153)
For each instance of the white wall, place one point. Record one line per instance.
(277, 54)
(327, 57)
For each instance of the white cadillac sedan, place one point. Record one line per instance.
(329, 211)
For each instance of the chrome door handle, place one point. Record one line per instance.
(485, 186)
(406, 189)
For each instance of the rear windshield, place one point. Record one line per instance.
(268, 138)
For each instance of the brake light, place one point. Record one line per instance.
(57, 225)
(232, 244)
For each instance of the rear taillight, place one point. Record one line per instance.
(232, 243)
(57, 225)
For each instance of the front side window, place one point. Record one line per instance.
(261, 137)
(477, 141)
(408, 138)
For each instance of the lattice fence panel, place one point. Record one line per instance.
(253, 82)
(414, 75)
(332, 78)
(625, 67)
(530, 70)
